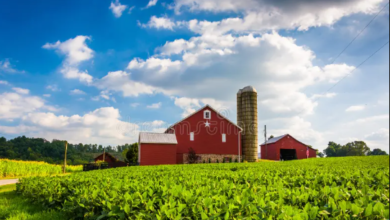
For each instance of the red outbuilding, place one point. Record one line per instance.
(108, 158)
(286, 147)
(211, 135)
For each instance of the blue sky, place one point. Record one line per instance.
(101, 71)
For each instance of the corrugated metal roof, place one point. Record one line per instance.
(157, 138)
(275, 139)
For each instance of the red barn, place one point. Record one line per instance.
(212, 136)
(286, 147)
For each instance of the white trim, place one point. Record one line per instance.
(201, 110)
(204, 114)
(192, 136)
(223, 138)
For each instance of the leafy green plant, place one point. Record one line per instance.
(328, 188)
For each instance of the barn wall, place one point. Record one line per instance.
(208, 140)
(287, 142)
(156, 154)
(272, 152)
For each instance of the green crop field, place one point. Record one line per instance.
(330, 188)
(18, 168)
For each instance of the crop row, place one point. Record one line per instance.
(330, 188)
(17, 168)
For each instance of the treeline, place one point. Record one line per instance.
(39, 149)
(356, 148)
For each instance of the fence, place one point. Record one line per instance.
(101, 166)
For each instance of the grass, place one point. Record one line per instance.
(15, 207)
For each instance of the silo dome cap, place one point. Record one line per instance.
(248, 89)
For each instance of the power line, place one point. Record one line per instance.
(359, 33)
(334, 85)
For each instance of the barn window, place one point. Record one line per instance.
(192, 136)
(223, 138)
(207, 114)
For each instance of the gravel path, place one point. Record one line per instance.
(6, 182)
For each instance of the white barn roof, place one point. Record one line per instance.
(275, 139)
(157, 138)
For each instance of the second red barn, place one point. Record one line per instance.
(286, 147)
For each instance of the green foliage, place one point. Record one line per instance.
(15, 168)
(320, 154)
(331, 188)
(377, 152)
(15, 207)
(132, 154)
(209, 160)
(192, 157)
(356, 148)
(39, 149)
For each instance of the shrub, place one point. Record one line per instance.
(209, 160)
(192, 157)
(217, 161)
(235, 161)
(230, 160)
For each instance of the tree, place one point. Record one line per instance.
(377, 152)
(132, 154)
(355, 148)
(320, 154)
(270, 137)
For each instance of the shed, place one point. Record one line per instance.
(156, 148)
(107, 158)
(286, 147)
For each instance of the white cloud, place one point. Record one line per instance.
(77, 92)
(6, 67)
(47, 95)
(160, 23)
(120, 81)
(15, 105)
(131, 9)
(355, 108)
(154, 105)
(151, 3)
(2, 82)
(117, 8)
(326, 95)
(53, 88)
(76, 51)
(262, 15)
(21, 90)
(370, 119)
(134, 105)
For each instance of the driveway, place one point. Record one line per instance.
(7, 182)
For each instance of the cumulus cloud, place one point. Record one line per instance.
(326, 95)
(2, 82)
(154, 105)
(75, 51)
(77, 92)
(117, 8)
(151, 3)
(355, 108)
(47, 95)
(21, 90)
(261, 15)
(120, 81)
(212, 64)
(381, 134)
(15, 105)
(160, 23)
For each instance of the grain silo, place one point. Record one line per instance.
(247, 120)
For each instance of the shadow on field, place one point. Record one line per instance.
(15, 207)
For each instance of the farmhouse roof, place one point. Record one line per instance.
(157, 138)
(106, 154)
(201, 110)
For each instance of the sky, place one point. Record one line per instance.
(101, 71)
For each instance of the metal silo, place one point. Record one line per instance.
(247, 120)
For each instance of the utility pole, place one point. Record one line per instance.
(66, 149)
(265, 137)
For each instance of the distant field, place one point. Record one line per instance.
(17, 168)
(329, 188)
